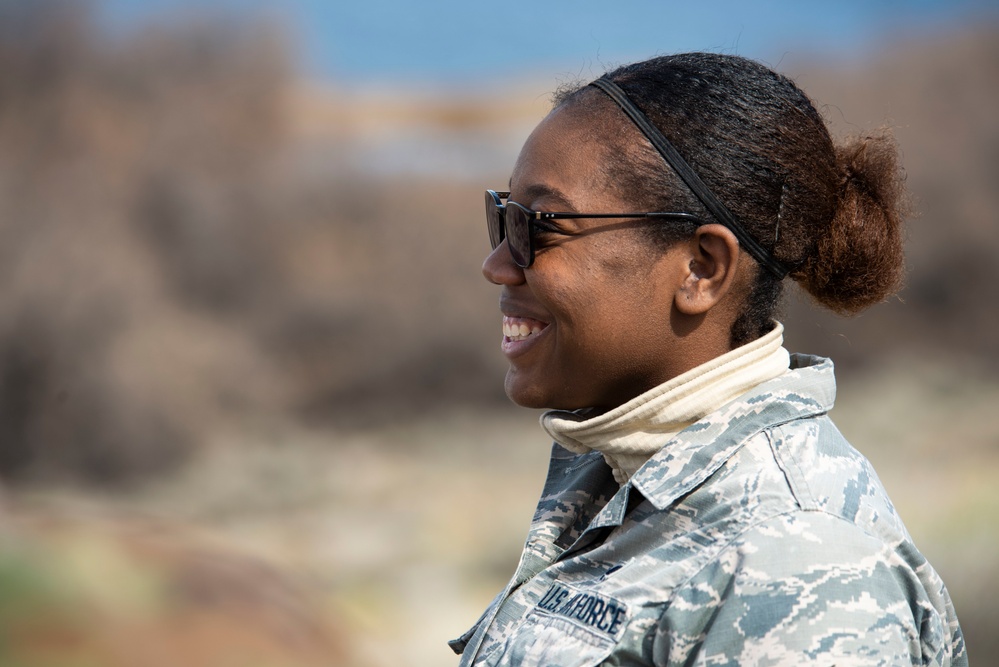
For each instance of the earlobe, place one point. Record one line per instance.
(714, 260)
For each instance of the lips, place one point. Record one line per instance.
(523, 324)
(521, 334)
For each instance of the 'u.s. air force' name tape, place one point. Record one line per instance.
(598, 612)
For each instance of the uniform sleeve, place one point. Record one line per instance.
(807, 589)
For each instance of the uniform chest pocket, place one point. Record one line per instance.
(549, 641)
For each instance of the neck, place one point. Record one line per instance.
(630, 434)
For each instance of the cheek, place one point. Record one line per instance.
(619, 328)
(574, 301)
(607, 309)
(601, 322)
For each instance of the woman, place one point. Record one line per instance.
(700, 507)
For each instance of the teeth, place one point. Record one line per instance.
(518, 331)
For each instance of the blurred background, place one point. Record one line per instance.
(251, 406)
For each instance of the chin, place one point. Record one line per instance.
(527, 399)
(525, 393)
(535, 395)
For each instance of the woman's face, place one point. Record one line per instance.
(588, 324)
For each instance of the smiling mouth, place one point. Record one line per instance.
(518, 329)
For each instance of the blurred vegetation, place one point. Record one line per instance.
(174, 258)
(234, 298)
(130, 204)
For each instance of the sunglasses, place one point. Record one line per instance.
(517, 224)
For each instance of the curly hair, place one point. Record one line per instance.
(833, 214)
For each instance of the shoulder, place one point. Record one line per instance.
(813, 565)
(808, 587)
(825, 474)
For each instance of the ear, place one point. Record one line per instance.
(714, 261)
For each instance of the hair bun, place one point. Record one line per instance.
(859, 261)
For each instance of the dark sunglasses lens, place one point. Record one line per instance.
(518, 234)
(494, 221)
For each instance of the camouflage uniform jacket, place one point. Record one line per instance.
(757, 536)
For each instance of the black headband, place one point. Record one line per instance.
(690, 177)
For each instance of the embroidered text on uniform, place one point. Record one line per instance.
(596, 611)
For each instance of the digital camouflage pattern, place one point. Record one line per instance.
(757, 536)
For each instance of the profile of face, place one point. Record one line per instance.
(594, 321)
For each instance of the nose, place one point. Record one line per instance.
(499, 267)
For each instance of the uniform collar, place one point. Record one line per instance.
(630, 434)
(581, 496)
(686, 461)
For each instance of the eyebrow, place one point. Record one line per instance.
(539, 190)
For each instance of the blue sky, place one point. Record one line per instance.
(463, 42)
